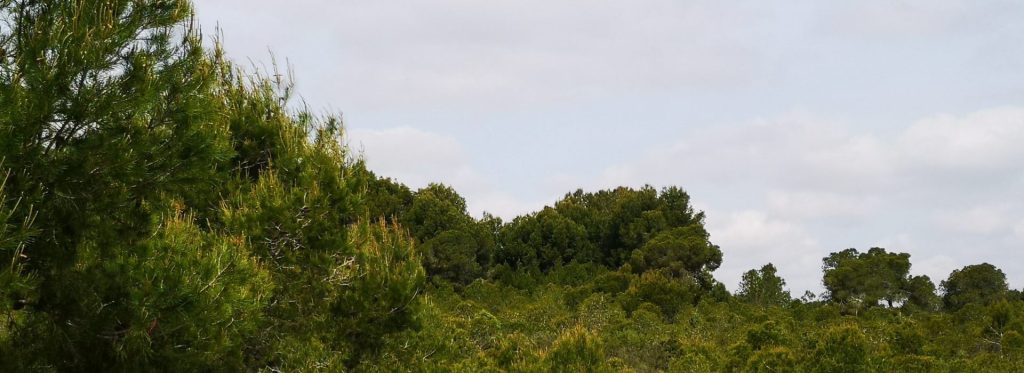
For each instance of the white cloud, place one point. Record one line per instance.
(912, 18)
(850, 163)
(501, 53)
(814, 155)
(750, 239)
(417, 158)
(783, 186)
(899, 242)
(936, 267)
(977, 220)
(984, 140)
(413, 156)
(818, 204)
(756, 151)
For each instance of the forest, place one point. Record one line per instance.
(165, 209)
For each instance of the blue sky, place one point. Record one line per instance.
(800, 127)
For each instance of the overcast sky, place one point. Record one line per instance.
(800, 127)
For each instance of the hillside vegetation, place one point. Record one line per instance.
(163, 209)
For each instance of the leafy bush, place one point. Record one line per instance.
(842, 349)
(667, 293)
(576, 350)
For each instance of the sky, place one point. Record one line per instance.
(800, 127)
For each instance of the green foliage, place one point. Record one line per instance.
(842, 349)
(907, 339)
(378, 287)
(621, 220)
(456, 248)
(181, 216)
(669, 294)
(546, 239)
(452, 256)
(921, 294)
(763, 287)
(973, 284)
(763, 348)
(863, 279)
(1013, 342)
(600, 312)
(493, 325)
(696, 357)
(384, 197)
(435, 209)
(576, 350)
(915, 363)
(773, 359)
(179, 298)
(107, 105)
(766, 335)
(679, 252)
(110, 113)
(612, 282)
(16, 286)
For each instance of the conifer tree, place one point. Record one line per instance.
(182, 216)
(763, 287)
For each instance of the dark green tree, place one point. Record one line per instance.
(842, 349)
(384, 197)
(763, 287)
(620, 234)
(854, 278)
(553, 239)
(182, 216)
(921, 293)
(109, 115)
(377, 292)
(768, 344)
(452, 256)
(660, 288)
(621, 220)
(181, 297)
(681, 252)
(435, 209)
(17, 288)
(974, 284)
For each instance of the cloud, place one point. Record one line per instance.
(499, 53)
(417, 158)
(981, 220)
(911, 19)
(799, 186)
(413, 156)
(936, 267)
(903, 18)
(800, 150)
(981, 141)
(750, 239)
(818, 204)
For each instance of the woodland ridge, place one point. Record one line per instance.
(163, 209)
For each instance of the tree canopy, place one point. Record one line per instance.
(867, 278)
(974, 284)
(763, 287)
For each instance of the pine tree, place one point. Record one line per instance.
(182, 216)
